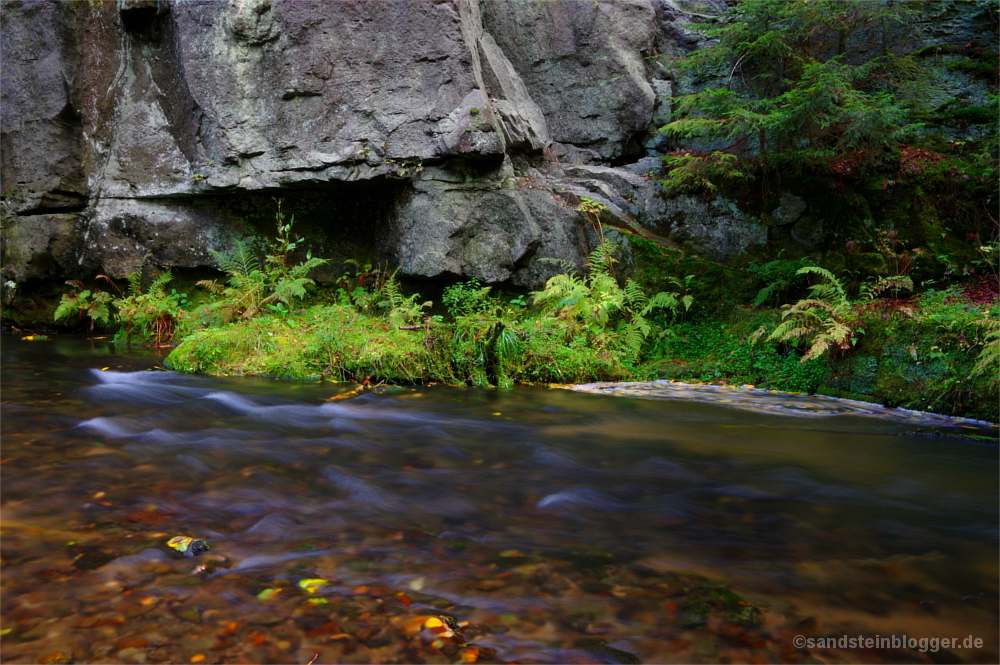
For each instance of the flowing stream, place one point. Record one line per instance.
(441, 524)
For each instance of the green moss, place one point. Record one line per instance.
(338, 342)
(986, 71)
(324, 340)
(727, 351)
(716, 289)
(972, 115)
(922, 360)
(919, 358)
(977, 53)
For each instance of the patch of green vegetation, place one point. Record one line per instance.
(82, 303)
(979, 53)
(580, 327)
(976, 61)
(729, 351)
(331, 340)
(780, 277)
(715, 289)
(793, 97)
(923, 355)
(984, 70)
(256, 283)
(972, 115)
(936, 351)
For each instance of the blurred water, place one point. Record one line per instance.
(844, 520)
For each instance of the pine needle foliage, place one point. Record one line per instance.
(793, 83)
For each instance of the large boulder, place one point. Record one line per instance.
(455, 225)
(43, 247)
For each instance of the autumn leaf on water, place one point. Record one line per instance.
(188, 546)
(312, 585)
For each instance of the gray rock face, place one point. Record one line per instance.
(455, 225)
(41, 247)
(40, 126)
(809, 232)
(714, 227)
(150, 119)
(583, 64)
(790, 208)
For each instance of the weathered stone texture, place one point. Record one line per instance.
(153, 122)
(583, 64)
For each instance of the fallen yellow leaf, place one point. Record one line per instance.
(312, 585)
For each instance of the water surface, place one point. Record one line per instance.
(547, 525)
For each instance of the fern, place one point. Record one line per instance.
(989, 358)
(254, 284)
(135, 281)
(599, 305)
(823, 317)
(895, 284)
(70, 304)
(401, 309)
(84, 302)
(153, 314)
(242, 259)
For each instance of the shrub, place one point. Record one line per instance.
(788, 90)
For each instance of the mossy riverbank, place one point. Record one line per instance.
(914, 361)
(677, 317)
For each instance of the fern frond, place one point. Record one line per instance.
(989, 358)
(832, 280)
(668, 301)
(135, 282)
(600, 260)
(159, 284)
(212, 286)
(68, 305)
(818, 348)
(634, 295)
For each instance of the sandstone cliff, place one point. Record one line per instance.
(166, 128)
(451, 138)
